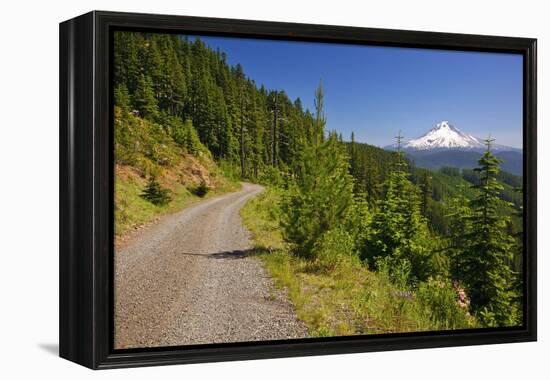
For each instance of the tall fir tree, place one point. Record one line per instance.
(458, 215)
(485, 262)
(320, 196)
(400, 236)
(320, 120)
(353, 164)
(322, 191)
(144, 98)
(122, 97)
(426, 193)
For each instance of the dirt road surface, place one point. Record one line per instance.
(190, 280)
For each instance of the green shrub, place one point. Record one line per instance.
(155, 194)
(439, 300)
(271, 176)
(334, 247)
(200, 190)
(396, 270)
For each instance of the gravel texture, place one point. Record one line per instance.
(188, 280)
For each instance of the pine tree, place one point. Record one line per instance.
(155, 194)
(242, 120)
(400, 236)
(275, 116)
(320, 120)
(370, 177)
(177, 92)
(426, 193)
(186, 136)
(458, 215)
(257, 127)
(126, 58)
(156, 68)
(122, 97)
(144, 98)
(353, 164)
(484, 264)
(320, 196)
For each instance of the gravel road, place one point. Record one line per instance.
(188, 280)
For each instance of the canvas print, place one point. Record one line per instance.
(273, 190)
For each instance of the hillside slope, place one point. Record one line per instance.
(145, 150)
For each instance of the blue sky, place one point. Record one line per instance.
(377, 91)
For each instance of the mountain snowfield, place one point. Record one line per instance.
(444, 135)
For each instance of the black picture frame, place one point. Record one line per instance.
(86, 189)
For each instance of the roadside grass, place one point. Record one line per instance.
(132, 211)
(342, 299)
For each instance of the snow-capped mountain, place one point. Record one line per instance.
(444, 135)
(446, 145)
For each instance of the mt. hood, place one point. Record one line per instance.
(446, 145)
(444, 135)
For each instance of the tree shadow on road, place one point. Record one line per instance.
(234, 255)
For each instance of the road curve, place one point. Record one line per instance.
(188, 280)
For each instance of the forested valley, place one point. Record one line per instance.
(365, 241)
